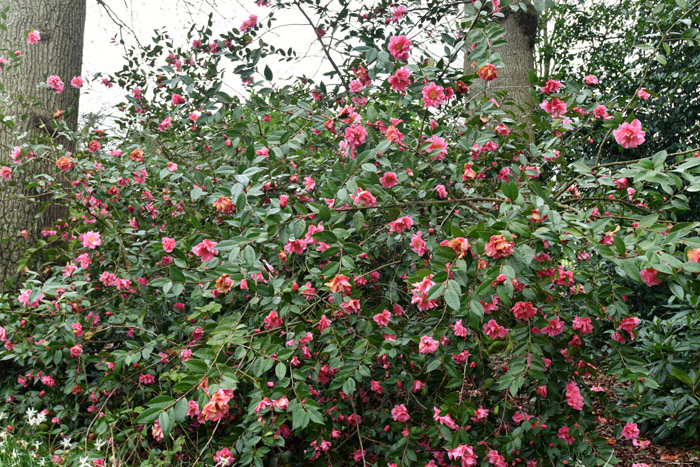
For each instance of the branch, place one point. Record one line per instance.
(323, 46)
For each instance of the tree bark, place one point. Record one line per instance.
(59, 52)
(518, 58)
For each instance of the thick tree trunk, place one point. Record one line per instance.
(518, 57)
(60, 52)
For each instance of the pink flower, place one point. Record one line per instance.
(364, 197)
(157, 431)
(177, 99)
(296, 246)
(355, 135)
(487, 72)
(524, 310)
(601, 112)
(356, 85)
(399, 47)
(495, 330)
(433, 95)
(168, 244)
(5, 172)
(437, 143)
(273, 320)
(33, 37)
(323, 324)
(573, 396)
(217, 407)
(563, 433)
(283, 200)
(263, 404)
(223, 457)
(389, 179)
(630, 431)
(249, 23)
(309, 183)
(77, 82)
(629, 135)
(400, 80)
(556, 107)
(400, 413)
(90, 239)
(554, 328)
(643, 94)
(649, 277)
(55, 84)
(428, 345)
(590, 80)
(551, 86)
(418, 244)
(147, 378)
(460, 330)
(382, 319)
(582, 325)
(398, 13)
(165, 124)
(628, 324)
(498, 247)
(502, 130)
(205, 250)
(401, 224)
(76, 350)
(441, 191)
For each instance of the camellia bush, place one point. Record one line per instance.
(381, 269)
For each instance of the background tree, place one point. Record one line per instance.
(61, 24)
(519, 20)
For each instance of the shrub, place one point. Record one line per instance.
(325, 277)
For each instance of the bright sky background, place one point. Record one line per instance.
(141, 17)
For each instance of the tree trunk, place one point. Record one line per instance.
(519, 59)
(59, 52)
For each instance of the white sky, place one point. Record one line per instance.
(100, 54)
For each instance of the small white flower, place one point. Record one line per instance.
(85, 462)
(99, 443)
(65, 443)
(41, 462)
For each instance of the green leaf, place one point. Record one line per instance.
(349, 386)
(161, 402)
(358, 220)
(433, 365)
(180, 410)
(268, 73)
(300, 418)
(661, 59)
(148, 416)
(196, 193)
(682, 376)
(166, 423)
(452, 294)
(249, 256)
(648, 221)
(177, 275)
(280, 370)
(510, 190)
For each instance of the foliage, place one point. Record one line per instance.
(322, 274)
(670, 345)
